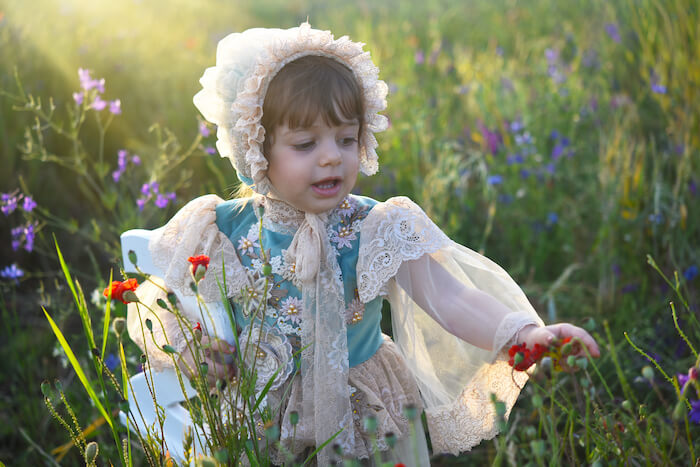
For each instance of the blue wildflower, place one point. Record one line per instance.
(656, 218)
(552, 218)
(505, 198)
(12, 272)
(694, 413)
(514, 159)
(111, 362)
(29, 204)
(658, 88)
(516, 126)
(557, 151)
(494, 179)
(691, 273)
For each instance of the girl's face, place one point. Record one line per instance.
(314, 168)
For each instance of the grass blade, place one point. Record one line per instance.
(105, 327)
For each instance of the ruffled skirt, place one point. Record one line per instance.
(380, 388)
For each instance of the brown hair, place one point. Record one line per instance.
(307, 87)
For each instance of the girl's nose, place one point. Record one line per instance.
(330, 154)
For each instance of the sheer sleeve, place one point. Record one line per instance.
(192, 231)
(453, 312)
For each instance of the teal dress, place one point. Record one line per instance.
(241, 226)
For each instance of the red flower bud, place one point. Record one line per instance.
(201, 260)
(118, 291)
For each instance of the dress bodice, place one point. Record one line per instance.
(240, 221)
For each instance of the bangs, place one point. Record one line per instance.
(310, 87)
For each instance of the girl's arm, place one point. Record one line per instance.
(470, 314)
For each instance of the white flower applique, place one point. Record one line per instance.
(249, 243)
(343, 237)
(338, 359)
(346, 207)
(355, 311)
(291, 309)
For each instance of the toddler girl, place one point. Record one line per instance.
(296, 112)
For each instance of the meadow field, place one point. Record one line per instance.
(560, 138)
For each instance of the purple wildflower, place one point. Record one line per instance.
(29, 235)
(551, 168)
(145, 189)
(557, 151)
(516, 126)
(691, 273)
(99, 84)
(524, 173)
(693, 187)
(612, 30)
(210, 150)
(492, 138)
(136, 160)
(694, 413)
(419, 57)
(122, 158)
(9, 203)
(552, 55)
(29, 204)
(204, 129)
(85, 80)
(99, 103)
(629, 288)
(523, 139)
(78, 97)
(616, 270)
(494, 179)
(141, 202)
(115, 107)
(658, 88)
(682, 379)
(171, 196)
(12, 272)
(161, 201)
(554, 134)
(116, 175)
(16, 234)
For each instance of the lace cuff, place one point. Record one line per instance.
(193, 231)
(394, 231)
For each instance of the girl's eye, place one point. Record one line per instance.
(304, 146)
(348, 141)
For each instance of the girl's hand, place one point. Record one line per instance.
(545, 335)
(216, 353)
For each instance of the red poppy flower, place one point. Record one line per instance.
(117, 290)
(196, 261)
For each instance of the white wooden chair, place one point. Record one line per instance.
(166, 385)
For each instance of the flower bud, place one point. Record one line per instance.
(169, 349)
(149, 324)
(627, 405)
(204, 368)
(172, 298)
(648, 373)
(199, 273)
(567, 348)
(58, 384)
(390, 438)
(571, 361)
(410, 411)
(518, 358)
(267, 269)
(118, 326)
(129, 296)
(91, 451)
(143, 358)
(272, 431)
(197, 334)
(46, 389)
(693, 373)
(161, 303)
(132, 257)
(294, 417)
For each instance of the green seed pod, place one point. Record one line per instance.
(149, 324)
(267, 269)
(272, 432)
(500, 408)
(567, 348)
(193, 286)
(169, 349)
(143, 358)
(199, 273)
(571, 361)
(118, 326)
(294, 417)
(537, 401)
(648, 372)
(58, 384)
(204, 368)
(130, 296)
(627, 405)
(679, 411)
(582, 362)
(161, 303)
(133, 258)
(91, 451)
(172, 298)
(46, 389)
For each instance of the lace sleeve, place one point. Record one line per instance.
(394, 231)
(193, 231)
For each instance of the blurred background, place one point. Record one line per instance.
(559, 138)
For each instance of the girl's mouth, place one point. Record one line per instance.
(327, 187)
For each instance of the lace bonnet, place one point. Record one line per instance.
(234, 90)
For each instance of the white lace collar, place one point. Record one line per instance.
(280, 216)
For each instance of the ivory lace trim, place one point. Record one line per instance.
(399, 231)
(193, 231)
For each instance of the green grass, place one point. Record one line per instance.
(575, 236)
